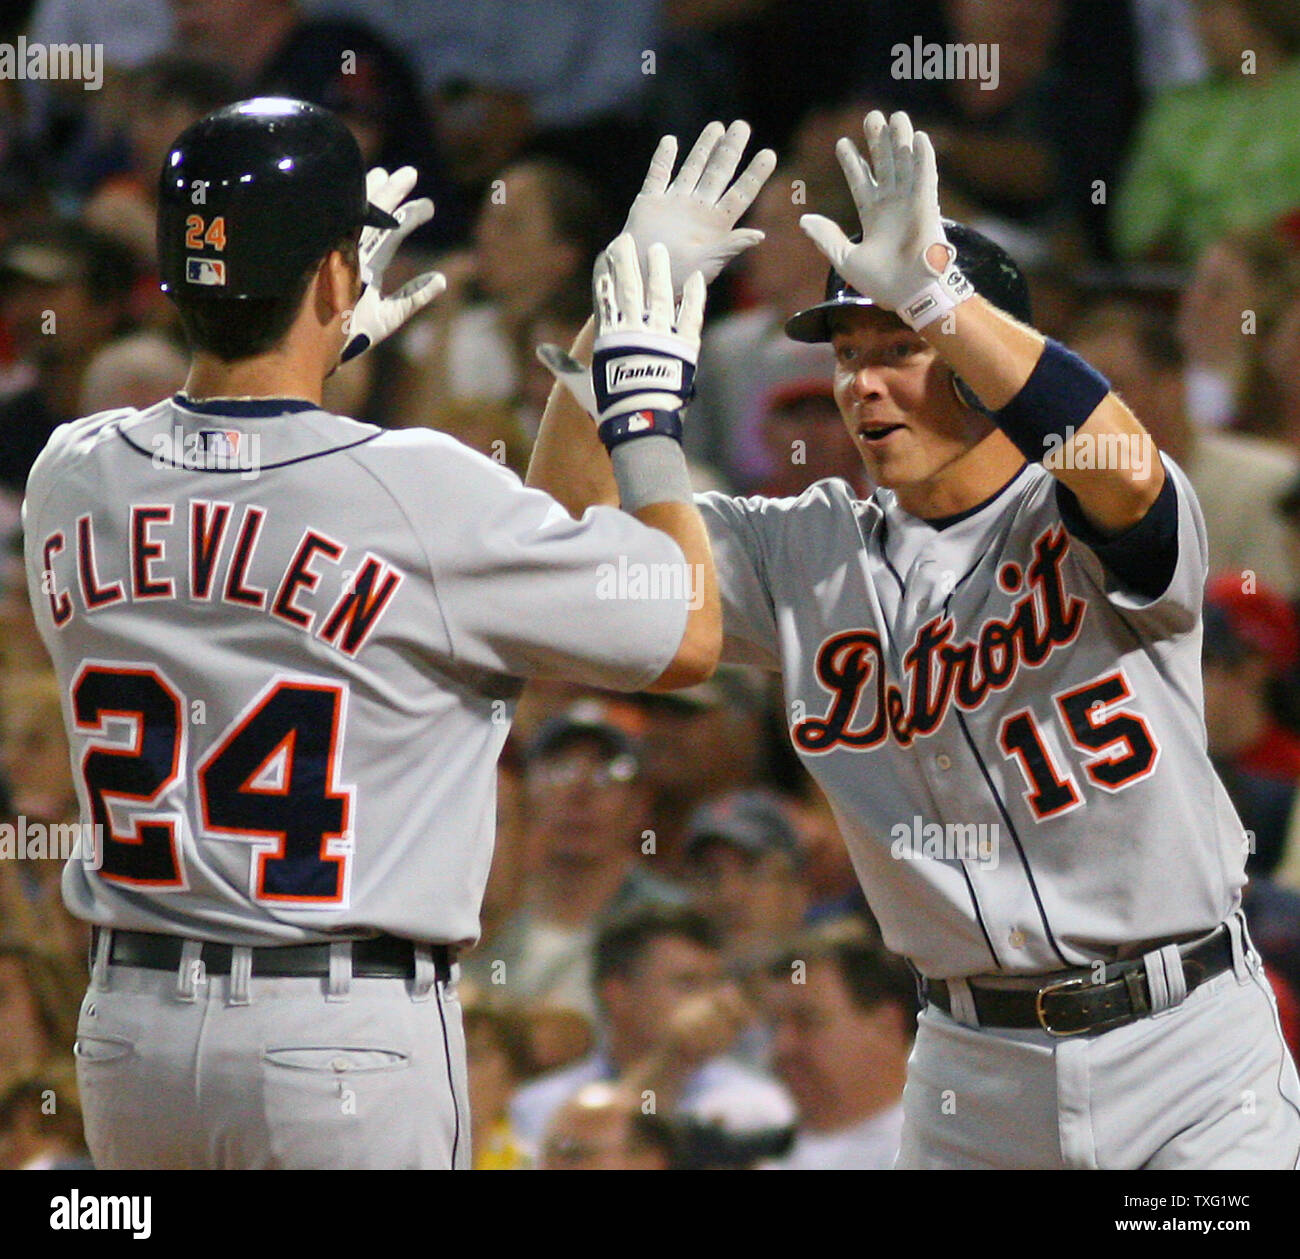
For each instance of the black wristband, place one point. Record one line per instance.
(633, 424)
(1061, 393)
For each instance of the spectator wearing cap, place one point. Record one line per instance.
(842, 1010)
(744, 862)
(587, 813)
(806, 440)
(700, 742)
(1248, 640)
(833, 887)
(64, 292)
(668, 1016)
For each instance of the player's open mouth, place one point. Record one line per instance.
(877, 432)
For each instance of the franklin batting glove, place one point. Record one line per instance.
(643, 368)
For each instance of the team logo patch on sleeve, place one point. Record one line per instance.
(208, 271)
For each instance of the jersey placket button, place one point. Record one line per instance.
(943, 761)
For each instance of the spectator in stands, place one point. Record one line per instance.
(833, 887)
(667, 1018)
(806, 439)
(1238, 479)
(1250, 641)
(745, 355)
(40, 1124)
(697, 743)
(1222, 154)
(603, 1128)
(744, 862)
(536, 237)
(39, 1000)
(37, 781)
(64, 293)
(136, 370)
(587, 816)
(1240, 286)
(843, 1015)
(497, 1054)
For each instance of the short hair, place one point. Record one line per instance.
(624, 940)
(871, 974)
(238, 328)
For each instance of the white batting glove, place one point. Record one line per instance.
(694, 215)
(374, 317)
(898, 204)
(643, 366)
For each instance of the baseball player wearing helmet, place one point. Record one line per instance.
(992, 668)
(290, 645)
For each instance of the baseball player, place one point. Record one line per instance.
(992, 668)
(290, 645)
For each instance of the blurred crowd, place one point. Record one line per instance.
(677, 967)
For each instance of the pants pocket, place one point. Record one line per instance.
(336, 1060)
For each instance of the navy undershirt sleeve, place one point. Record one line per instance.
(1143, 557)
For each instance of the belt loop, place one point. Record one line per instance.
(1244, 958)
(339, 984)
(241, 970)
(190, 973)
(426, 973)
(1166, 981)
(962, 1002)
(103, 950)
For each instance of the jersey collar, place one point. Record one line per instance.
(244, 408)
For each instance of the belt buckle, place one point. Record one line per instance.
(1057, 987)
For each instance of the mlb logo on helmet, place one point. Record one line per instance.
(205, 271)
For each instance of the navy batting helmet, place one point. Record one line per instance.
(987, 266)
(254, 194)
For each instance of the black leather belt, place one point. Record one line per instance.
(1070, 1003)
(384, 957)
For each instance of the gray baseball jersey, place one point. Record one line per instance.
(290, 645)
(962, 693)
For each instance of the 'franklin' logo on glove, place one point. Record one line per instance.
(637, 370)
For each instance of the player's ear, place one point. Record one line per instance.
(335, 287)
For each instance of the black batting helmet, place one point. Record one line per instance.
(987, 266)
(252, 195)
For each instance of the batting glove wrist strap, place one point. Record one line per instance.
(629, 425)
(641, 371)
(1053, 404)
(936, 298)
